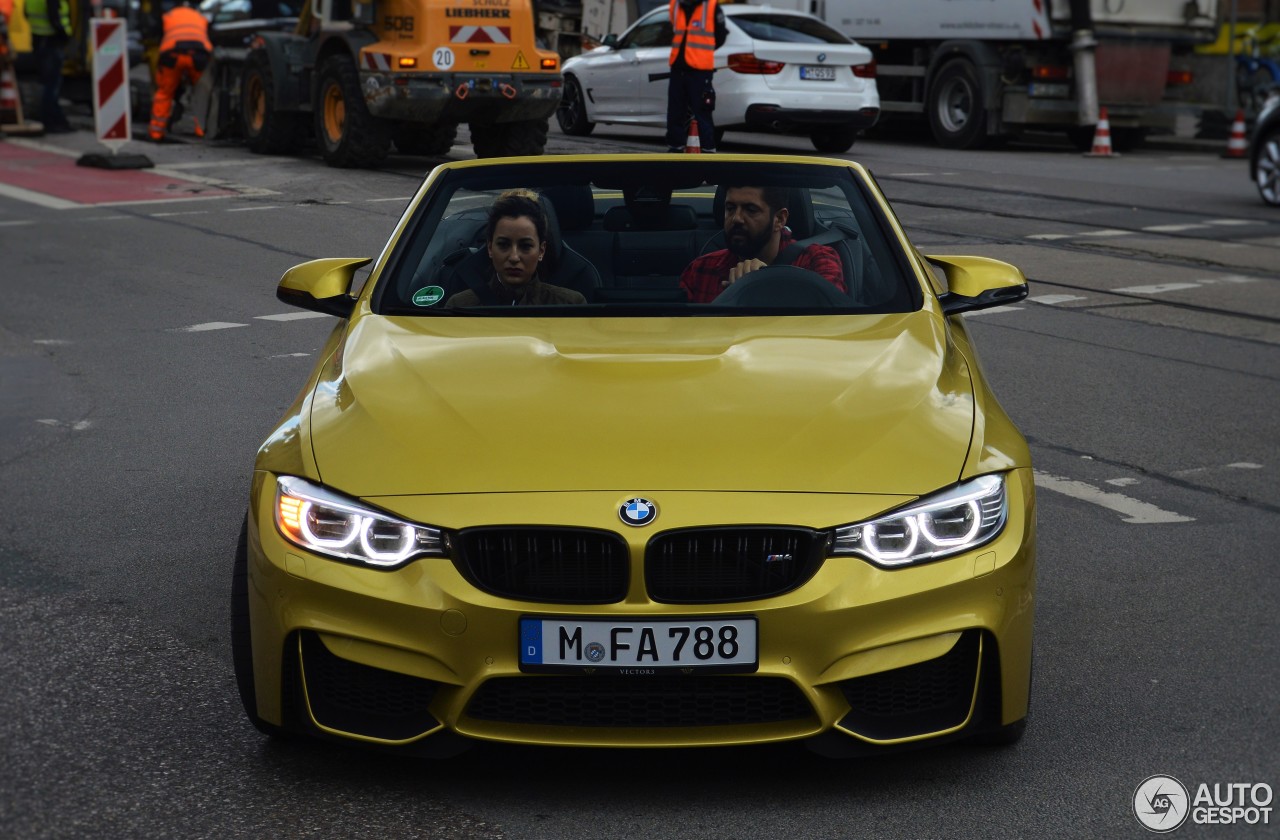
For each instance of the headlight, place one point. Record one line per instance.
(321, 521)
(957, 519)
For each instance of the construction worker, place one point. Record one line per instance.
(184, 53)
(50, 22)
(697, 29)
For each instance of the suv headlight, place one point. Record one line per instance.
(957, 519)
(324, 522)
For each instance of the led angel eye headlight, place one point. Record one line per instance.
(326, 523)
(957, 519)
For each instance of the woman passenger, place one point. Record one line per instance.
(517, 242)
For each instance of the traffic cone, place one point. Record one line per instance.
(693, 146)
(1102, 137)
(1237, 145)
(11, 119)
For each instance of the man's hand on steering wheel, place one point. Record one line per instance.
(741, 270)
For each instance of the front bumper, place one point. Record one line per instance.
(458, 97)
(399, 658)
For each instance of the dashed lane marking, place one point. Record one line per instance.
(208, 327)
(17, 223)
(996, 310)
(1178, 228)
(1133, 511)
(251, 209)
(1174, 228)
(178, 213)
(291, 316)
(1054, 300)
(1156, 289)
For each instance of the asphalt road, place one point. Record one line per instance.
(143, 358)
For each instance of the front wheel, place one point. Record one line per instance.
(267, 131)
(572, 111)
(957, 106)
(833, 141)
(1267, 169)
(348, 134)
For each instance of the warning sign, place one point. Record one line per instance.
(520, 63)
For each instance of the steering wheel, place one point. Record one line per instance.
(783, 286)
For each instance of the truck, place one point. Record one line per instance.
(977, 71)
(362, 76)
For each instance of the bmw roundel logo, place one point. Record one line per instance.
(638, 511)
(822, 57)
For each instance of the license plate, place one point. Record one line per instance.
(818, 74)
(640, 646)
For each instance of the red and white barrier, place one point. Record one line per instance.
(111, 118)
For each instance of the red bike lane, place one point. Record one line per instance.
(54, 180)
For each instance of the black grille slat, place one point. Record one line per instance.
(730, 564)
(554, 565)
(638, 702)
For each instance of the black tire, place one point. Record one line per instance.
(421, 139)
(571, 114)
(833, 141)
(1266, 165)
(267, 131)
(349, 136)
(1081, 136)
(1127, 139)
(241, 639)
(957, 106)
(513, 139)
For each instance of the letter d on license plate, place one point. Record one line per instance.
(703, 644)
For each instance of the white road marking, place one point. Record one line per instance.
(1051, 236)
(77, 426)
(1234, 222)
(1173, 228)
(1054, 300)
(1134, 511)
(1107, 232)
(910, 174)
(1228, 278)
(250, 209)
(51, 342)
(994, 310)
(32, 197)
(178, 213)
(397, 198)
(289, 356)
(291, 316)
(1122, 482)
(1157, 289)
(1245, 465)
(17, 223)
(211, 325)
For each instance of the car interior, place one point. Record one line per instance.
(623, 240)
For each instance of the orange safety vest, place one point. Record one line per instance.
(697, 33)
(185, 24)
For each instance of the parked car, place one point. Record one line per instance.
(1264, 151)
(778, 71)
(796, 512)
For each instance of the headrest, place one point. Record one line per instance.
(553, 229)
(573, 203)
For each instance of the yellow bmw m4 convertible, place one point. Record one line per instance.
(642, 451)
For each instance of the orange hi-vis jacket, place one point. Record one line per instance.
(185, 28)
(696, 32)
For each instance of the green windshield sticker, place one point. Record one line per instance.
(429, 296)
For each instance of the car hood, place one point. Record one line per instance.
(848, 404)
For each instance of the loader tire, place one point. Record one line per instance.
(413, 138)
(348, 135)
(513, 139)
(267, 130)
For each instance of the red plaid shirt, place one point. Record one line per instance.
(702, 278)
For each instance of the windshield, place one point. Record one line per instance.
(789, 28)
(691, 237)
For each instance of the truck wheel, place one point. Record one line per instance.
(348, 134)
(957, 107)
(420, 139)
(266, 130)
(572, 111)
(513, 139)
(833, 140)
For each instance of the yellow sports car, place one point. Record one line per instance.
(642, 451)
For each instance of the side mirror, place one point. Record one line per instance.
(322, 285)
(610, 40)
(975, 283)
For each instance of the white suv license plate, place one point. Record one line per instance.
(639, 647)
(817, 74)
